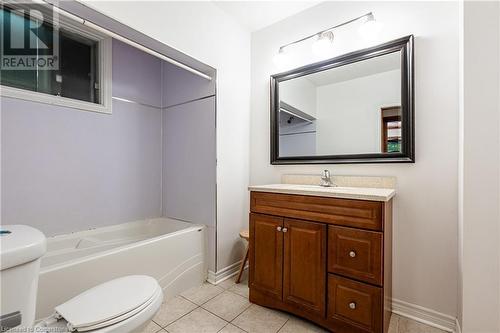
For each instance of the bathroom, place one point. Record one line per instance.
(133, 187)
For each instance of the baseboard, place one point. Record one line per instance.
(225, 273)
(425, 315)
(458, 327)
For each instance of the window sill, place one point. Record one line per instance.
(34, 96)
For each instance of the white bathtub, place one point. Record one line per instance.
(172, 251)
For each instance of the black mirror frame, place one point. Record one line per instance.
(407, 155)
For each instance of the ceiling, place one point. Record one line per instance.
(255, 15)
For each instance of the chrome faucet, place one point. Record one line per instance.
(326, 180)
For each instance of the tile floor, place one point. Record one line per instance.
(225, 308)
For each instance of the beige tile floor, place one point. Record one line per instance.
(225, 308)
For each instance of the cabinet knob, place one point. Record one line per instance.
(285, 229)
(278, 228)
(352, 254)
(352, 306)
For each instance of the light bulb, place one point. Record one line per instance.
(370, 28)
(323, 44)
(281, 59)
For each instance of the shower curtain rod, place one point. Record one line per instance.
(128, 41)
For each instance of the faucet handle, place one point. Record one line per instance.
(326, 174)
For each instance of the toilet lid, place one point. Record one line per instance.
(109, 303)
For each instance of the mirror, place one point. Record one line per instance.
(356, 108)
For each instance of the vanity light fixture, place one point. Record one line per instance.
(324, 38)
(281, 58)
(323, 43)
(370, 28)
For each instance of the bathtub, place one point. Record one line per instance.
(169, 250)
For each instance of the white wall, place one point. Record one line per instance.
(349, 113)
(479, 307)
(299, 93)
(208, 34)
(425, 209)
(298, 144)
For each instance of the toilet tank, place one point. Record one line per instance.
(21, 248)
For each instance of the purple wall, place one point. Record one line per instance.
(66, 170)
(178, 79)
(189, 164)
(136, 75)
(189, 151)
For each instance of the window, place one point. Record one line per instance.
(81, 76)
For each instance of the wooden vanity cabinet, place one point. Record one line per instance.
(289, 257)
(325, 259)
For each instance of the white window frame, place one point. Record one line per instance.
(104, 69)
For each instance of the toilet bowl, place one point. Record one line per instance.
(125, 304)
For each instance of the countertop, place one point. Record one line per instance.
(358, 193)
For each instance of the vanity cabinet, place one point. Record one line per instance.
(325, 259)
(289, 257)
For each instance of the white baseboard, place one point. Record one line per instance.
(425, 315)
(457, 325)
(225, 273)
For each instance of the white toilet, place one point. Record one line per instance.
(123, 305)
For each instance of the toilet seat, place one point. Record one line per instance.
(119, 305)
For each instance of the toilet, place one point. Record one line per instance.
(125, 304)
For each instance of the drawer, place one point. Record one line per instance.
(354, 303)
(345, 212)
(355, 253)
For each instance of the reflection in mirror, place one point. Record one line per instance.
(350, 109)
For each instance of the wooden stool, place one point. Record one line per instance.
(245, 235)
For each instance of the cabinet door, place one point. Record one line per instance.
(304, 276)
(266, 255)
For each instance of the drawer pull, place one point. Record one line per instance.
(285, 229)
(352, 254)
(352, 306)
(278, 228)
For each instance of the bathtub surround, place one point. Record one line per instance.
(189, 189)
(188, 135)
(65, 170)
(230, 54)
(77, 170)
(189, 160)
(223, 44)
(137, 76)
